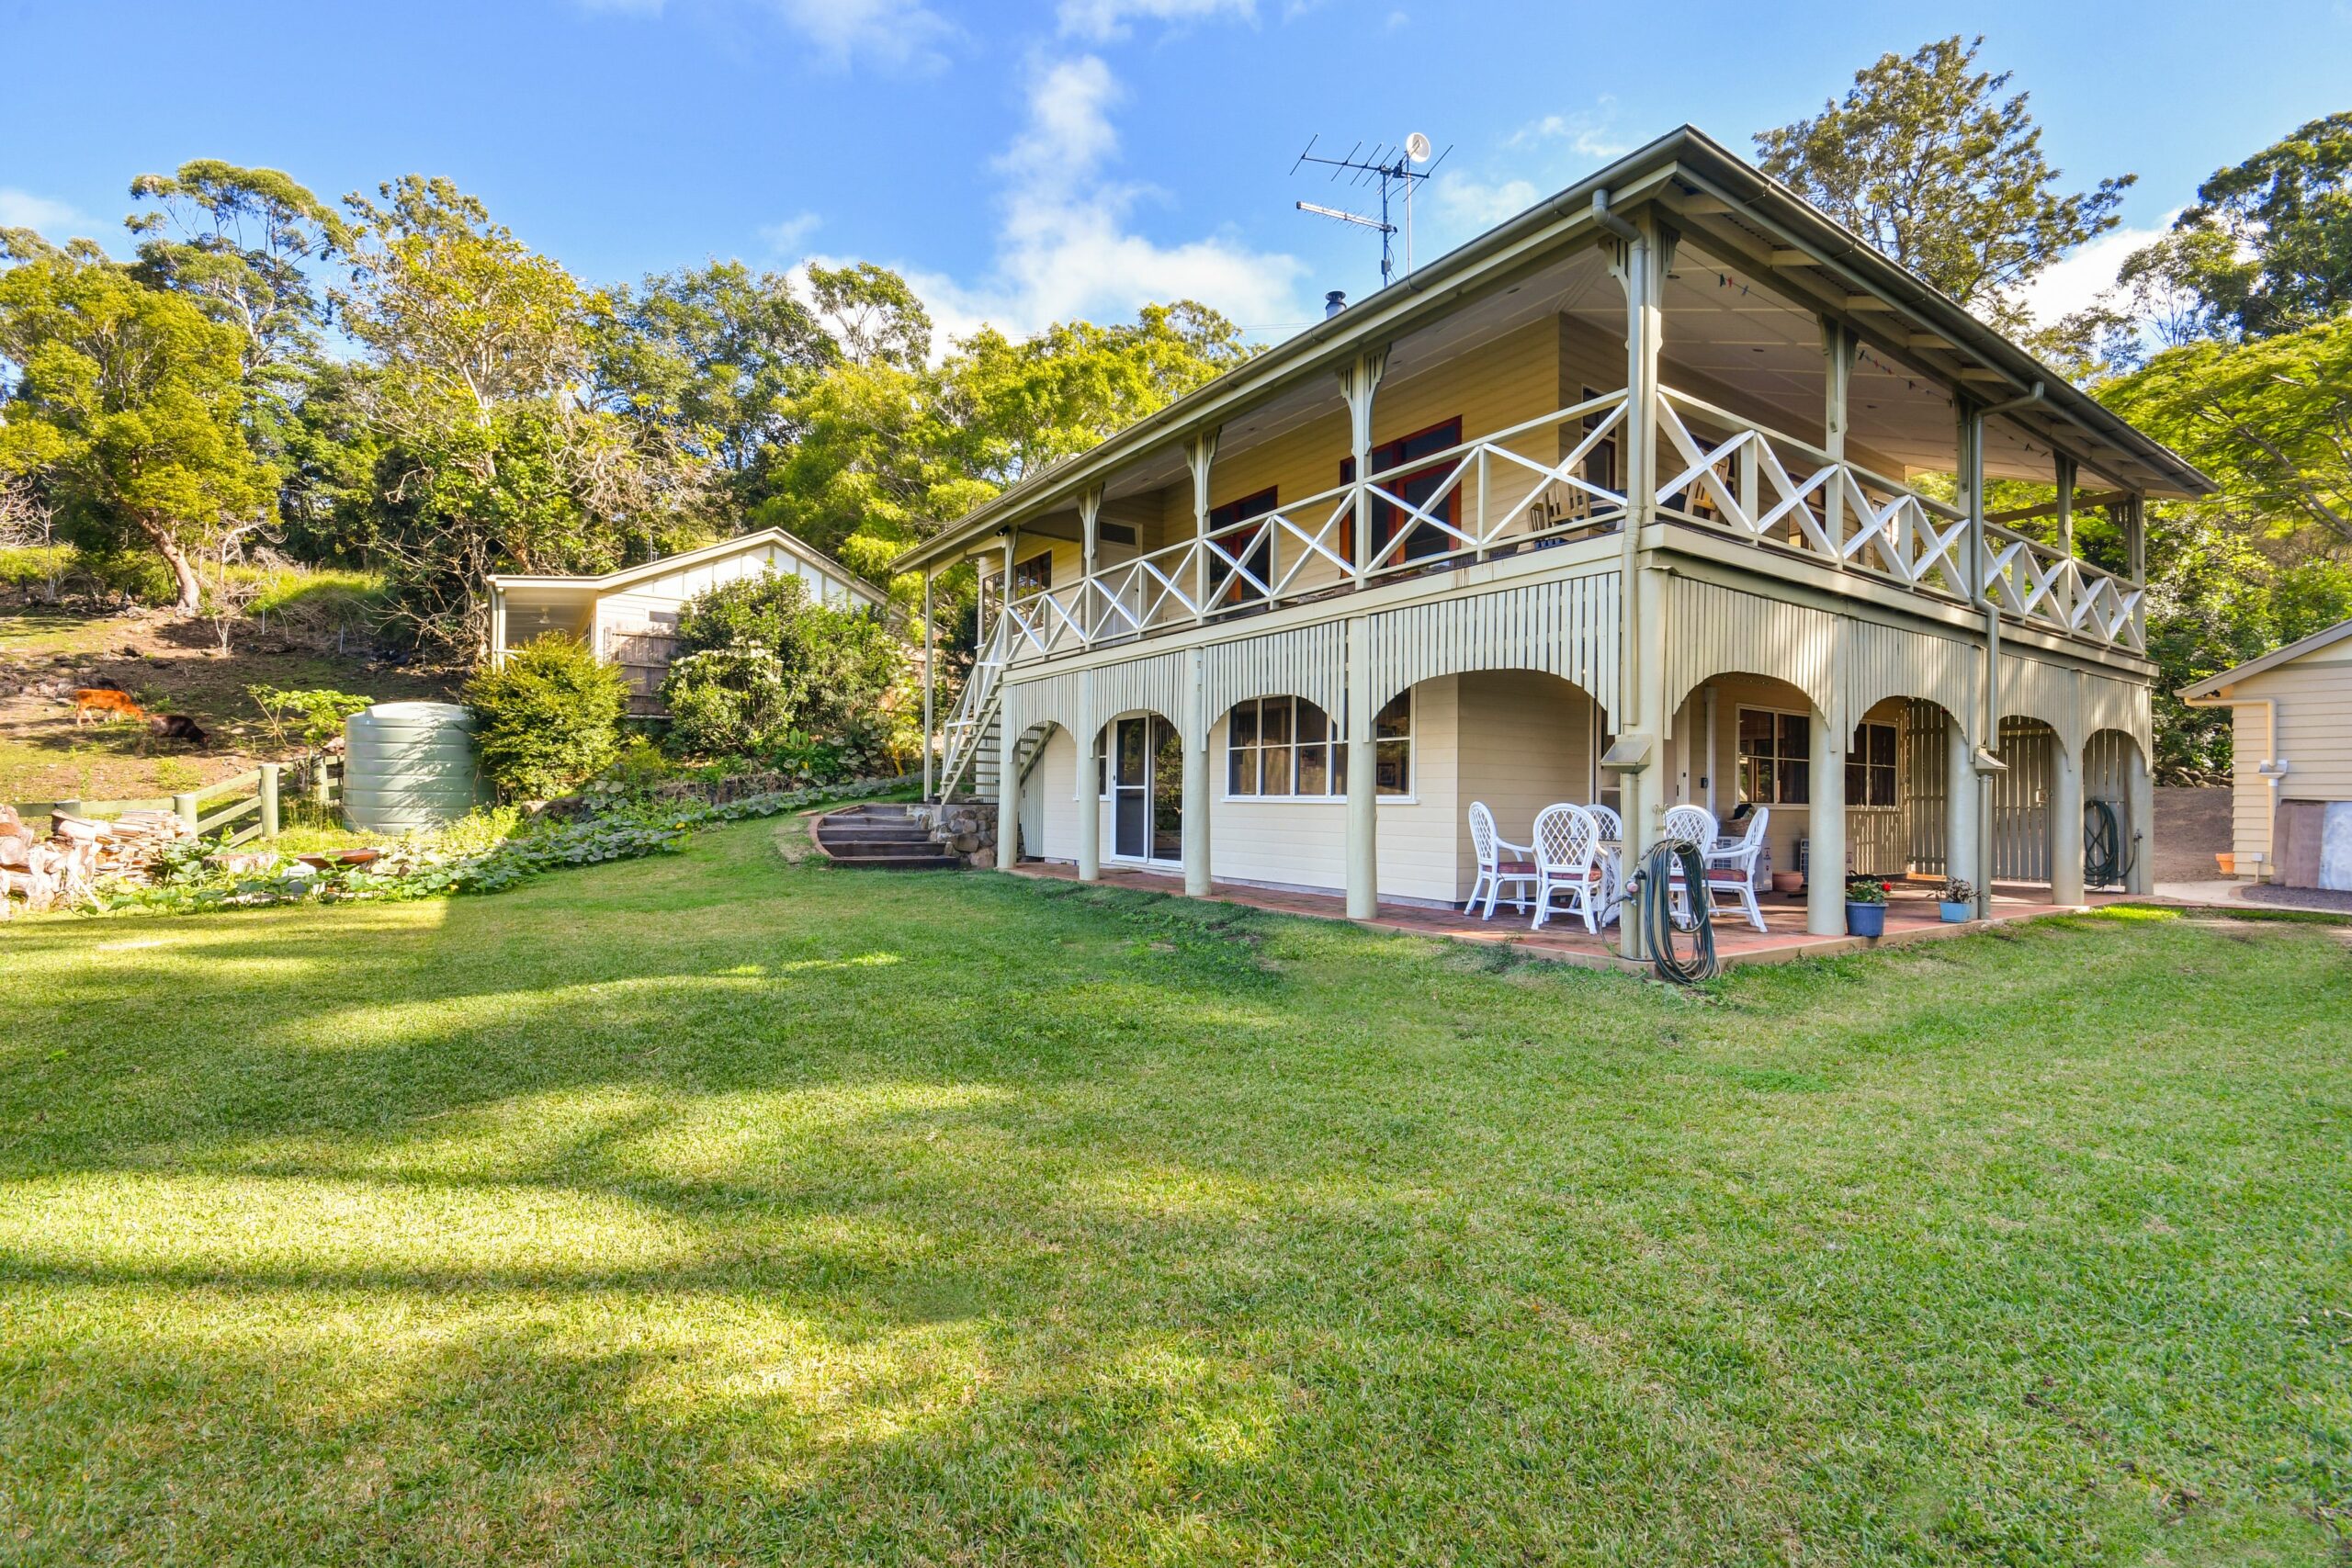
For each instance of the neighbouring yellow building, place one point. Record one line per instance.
(2291, 735)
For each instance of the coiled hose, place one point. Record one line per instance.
(1652, 896)
(2105, 861)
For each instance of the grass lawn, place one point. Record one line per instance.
(717, 1209)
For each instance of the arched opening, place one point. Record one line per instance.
(1742, 743)
(2021, 824)
(2116, 800)
(1138, 786)
(1042, 757)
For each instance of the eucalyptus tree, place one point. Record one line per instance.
(1927, 161)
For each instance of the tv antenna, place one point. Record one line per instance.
(1392, 170)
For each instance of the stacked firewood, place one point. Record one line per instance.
(79, 851)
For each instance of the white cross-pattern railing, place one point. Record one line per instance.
(2042, 585)
(1766, 486)
(1489, 498)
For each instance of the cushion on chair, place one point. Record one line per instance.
(1515, 868)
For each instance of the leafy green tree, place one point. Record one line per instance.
(128, 404)
(716, 354)
(546, 718)
(2267, 247)
(872, 316)
(238, 242)
(2271, 420)
(1927, 162)
(1022, 406)
(479, 351)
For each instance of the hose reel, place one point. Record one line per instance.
(1650, 891)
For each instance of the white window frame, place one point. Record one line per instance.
(1336, 743)
(1894, 768)
(1739, 756)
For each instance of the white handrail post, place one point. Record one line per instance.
(1479, 527)
(1090, 512)
(1199, 453)
(1838, 348)
(1357, 383)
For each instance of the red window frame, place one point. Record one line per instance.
(1254, 549)
(1387, 516)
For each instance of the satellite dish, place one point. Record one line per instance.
(1417, 147)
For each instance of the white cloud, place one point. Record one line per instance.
(1102, 20)
(56, 220)
(1469, 205)
(897, 34)
(786, 237)
(2078, 281)
(1588, 133)
(1067, 247)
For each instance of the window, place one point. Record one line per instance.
(1775, 757)
(1286, 747)
(1870, 766)
(1418, 488)
(1254, 548)
(1034, 575)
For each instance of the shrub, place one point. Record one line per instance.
(548, 718)
(758, 661)
(726, 700)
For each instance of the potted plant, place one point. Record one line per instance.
(1960, 899)
(1865, 908)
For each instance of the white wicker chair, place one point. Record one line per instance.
(1500, 860)
(1568, 844)
(1695, 825)
(1612, 856)
(1731, 868)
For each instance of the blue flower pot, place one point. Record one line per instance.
(1955, 913)
(1865, 919)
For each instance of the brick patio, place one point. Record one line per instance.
(1911, 916)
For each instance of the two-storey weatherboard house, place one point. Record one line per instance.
(1669, 488)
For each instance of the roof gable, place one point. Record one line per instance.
(2271, 660)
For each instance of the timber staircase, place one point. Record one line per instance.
(882, 838)
(975, 730)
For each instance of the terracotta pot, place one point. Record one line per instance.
(1788, 881)
(2228, 864)
(346, 857)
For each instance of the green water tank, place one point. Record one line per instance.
(410, 765)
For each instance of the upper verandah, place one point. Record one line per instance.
(1802, 381)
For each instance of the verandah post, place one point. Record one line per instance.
(929, 685)
(1363, 845)
(1824, 879)
(1007, 773)
(1960, 799)
(1359, 383)
(2065, 820)
(1195, 842)
(1090, 801)
(1641, 592)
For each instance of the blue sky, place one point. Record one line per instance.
(1032, 163)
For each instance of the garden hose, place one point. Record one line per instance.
(1652, 896)
(2106, 861)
